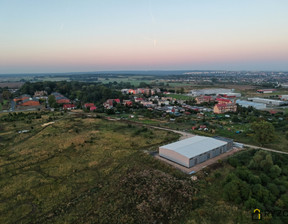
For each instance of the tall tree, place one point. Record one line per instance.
(264, 132)
(52, 101)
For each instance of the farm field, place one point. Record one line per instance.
(52, 79)
(10, 84)
(179, 96)
(134, 80)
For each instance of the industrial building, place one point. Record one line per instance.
(192, 151)
(266, 90)
(245, 103)
(284, 97)
(268, 102)
(229, 95)
(199, 92)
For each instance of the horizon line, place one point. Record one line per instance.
(145, 70)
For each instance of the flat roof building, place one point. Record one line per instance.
(284, 97)
(268, 102)
(266, 90)
(198, 92)
(245, 103)
(192, 151)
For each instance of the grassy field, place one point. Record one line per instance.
(89, 170)
(179, 84)
(10, 84)
(5, 103)
(179, 96)
(86, 170)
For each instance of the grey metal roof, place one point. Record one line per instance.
(194, 146)
(249, 103)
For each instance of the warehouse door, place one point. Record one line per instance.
(196, 161)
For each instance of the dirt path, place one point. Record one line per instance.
(266, 149)
(184, 134)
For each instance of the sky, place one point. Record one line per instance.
(105, 35)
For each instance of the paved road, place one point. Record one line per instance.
(13, 104)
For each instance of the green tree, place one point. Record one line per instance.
(267, 163)
(52, 101)
(6, 94)
(264, 132)
(275, 171)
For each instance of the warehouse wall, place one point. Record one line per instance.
(208, 155)
(174, 156)
(190, 162)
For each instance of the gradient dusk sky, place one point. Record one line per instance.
(98, 35)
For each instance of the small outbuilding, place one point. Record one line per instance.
(197, 149)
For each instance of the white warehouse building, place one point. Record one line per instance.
(244, 103)
(269, 102)
(199, 92)
(192, 151)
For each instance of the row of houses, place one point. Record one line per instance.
(211, 99)
(60, 99)
(26, 100)
(90, 106)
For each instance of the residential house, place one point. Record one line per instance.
(60, 99)
(93, 108)
(22, 98)
(225, 100)
(127, 103)
(132, 91)
(69, 107)
(40, 94)
(137, 99)
(204, 99)
(89, 105)
(30, 102)
(109, 103)
(221, 108)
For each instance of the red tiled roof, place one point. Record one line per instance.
(67, 106)
(221, 105)
(223, 99)
(93, 108)
(89, 105)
